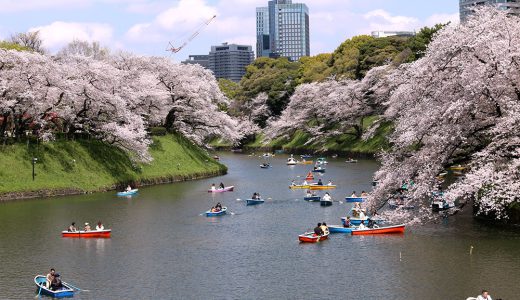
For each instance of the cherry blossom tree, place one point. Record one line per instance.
(459, 104)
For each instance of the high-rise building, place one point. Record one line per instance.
(230, 60)
(286, 26)
(466, 7)
(202, 60)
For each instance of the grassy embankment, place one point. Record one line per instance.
(345, 143)
(69, 167)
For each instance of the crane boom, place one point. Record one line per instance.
(194, 35)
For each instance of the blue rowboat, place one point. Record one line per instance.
(325, 202)
(319, 171)
(312, 198)
(217, 213)
(64, 292)
(354, 199)
(254, 201)
(339, 229)
(128, 193)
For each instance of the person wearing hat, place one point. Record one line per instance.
(87, 227)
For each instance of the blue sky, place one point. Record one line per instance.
(146, 26)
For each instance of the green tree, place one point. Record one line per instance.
(314, 68)
(275, 77)
(12, 46)
(228, 87)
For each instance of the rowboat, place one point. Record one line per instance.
(128, 193)
(379, 230)
(254, 201)
(305, 162)
(226, 189)
(325, 202)
(311, 237)
(457, 168)
(312, 198)
(354, 199)
(291, 161)
(321, 160)
(351, 161)
(222, 212)
(299, 186)
(216, 157)
(355, 221)
(64, 292)
(339, 229)
(87, 234)
(321, 187)
(265, 166)
(304, 156)
(318, 170)
(442, 205)
(394, 205)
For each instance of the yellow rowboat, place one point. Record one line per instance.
(313, 187)
(299, 186)
(457, 168)
(322, 187)
(305, 162)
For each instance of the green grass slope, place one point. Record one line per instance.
(92, 165)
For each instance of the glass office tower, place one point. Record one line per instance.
(288, 29)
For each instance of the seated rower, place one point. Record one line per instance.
(364, 194)
(213, 187)
(325, 228)
(213, 209)
(218, 206)
(49, 278)
(330, 183)
(305, 182)
(293, 183)
(327, 197)
(72, 227)
(317, 230)
(56, 282)
(128, 188)
(371, 223)
(255, 196)
(100, 226)
(362, 225)
(347, 223)
(309, 194)
(354, 194)
(87, 227)
(320, 182)
(221, 186)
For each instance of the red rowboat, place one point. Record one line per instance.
(87, 234)
(311, 237)
(379, 230)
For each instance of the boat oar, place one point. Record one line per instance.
(39, 292)
(76, 288)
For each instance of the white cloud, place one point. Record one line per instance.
(180, 19)
(58, 34)
(382, 20)
(442, 19)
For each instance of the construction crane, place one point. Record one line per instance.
(194, 35)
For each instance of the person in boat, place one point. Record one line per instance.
(100, 226)
(305, 182)
(320, 182)
(371, 223)
(49, 278)
(362, 215)
(72, 227)
(324, 228)
(213, 187)
(255, 196)
(354, 194)
(221, 186)
(128, 188)
(364, 194)
(213, 209)
(87, 227)
(218, 206)
(484, 295)
(362, 225)
(347, 222)
(317, 230)
(56, 283)
(309, 194)
(327, 197)
(293, 183)
(330, 183)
